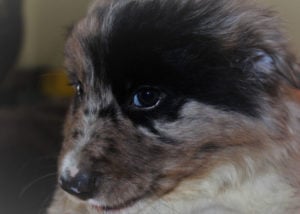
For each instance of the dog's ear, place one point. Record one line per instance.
(275, 67)
(262, 63)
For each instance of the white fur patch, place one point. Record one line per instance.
(69, 162)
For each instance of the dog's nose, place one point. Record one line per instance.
(83, 185)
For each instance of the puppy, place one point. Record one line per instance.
(181, 106)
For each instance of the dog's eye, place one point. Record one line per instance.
(147, 97)
(78, 88)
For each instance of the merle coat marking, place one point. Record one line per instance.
(224, 137)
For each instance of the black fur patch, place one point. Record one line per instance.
(109, 111)
(174, 46)
(146, 49)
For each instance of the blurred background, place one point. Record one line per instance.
(34, 94)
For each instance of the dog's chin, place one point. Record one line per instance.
(113, 209)
(100, 206)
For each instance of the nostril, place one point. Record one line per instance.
(83, 185)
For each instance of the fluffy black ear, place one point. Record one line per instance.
(262, 63)
(259, 65)
(276, 68)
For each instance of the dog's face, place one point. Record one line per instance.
(166, 92)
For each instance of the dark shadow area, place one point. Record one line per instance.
(30, 125)
(11, 32)
(30, 138)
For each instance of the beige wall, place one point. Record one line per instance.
(289, 11)
(46, 23)
(47, 20)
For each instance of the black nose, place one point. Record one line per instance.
(83, 185)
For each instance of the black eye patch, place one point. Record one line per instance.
(185, 64)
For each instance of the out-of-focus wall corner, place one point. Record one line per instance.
(45, 27)
(289, 14)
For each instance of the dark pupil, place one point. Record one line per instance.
(148, 97)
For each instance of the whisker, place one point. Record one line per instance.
(28, 186)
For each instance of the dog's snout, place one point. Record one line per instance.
(82, 185)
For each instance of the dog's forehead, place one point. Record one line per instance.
(125, 35)
(142, 38)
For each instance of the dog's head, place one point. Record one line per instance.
(167, 91)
